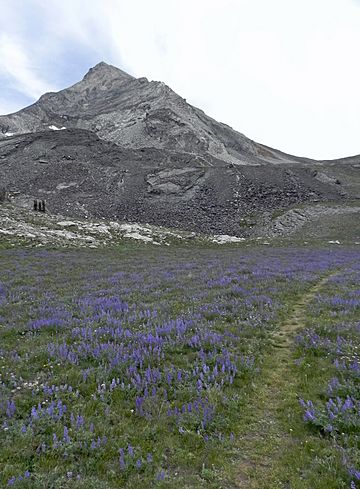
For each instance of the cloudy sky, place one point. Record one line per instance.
(284, 72)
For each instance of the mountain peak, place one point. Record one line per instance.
(105, 70)
(103, 65)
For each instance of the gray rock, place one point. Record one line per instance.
(118, 147)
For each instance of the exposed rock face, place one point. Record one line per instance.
(123, 148)
(136, 113)
(3, 194)
(179, 182)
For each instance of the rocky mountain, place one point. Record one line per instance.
(116, 147)
(134, 113)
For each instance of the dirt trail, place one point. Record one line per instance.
(264, 442)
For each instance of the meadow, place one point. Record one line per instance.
(182, 367)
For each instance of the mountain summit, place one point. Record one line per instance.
(126, 148)
(104, 70)
(136, 113)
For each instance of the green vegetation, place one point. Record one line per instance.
(179, 367)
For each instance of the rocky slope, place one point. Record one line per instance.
(116, 147)
(136, 113)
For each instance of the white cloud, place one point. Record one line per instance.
(16, 64)
(285, 73)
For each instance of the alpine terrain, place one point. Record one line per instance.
(125, 149)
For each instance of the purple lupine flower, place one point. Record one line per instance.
(79, 421)
(66, 436)
(309, 415)
(34, 413)
(160, 476)
(139, 401)
(10, 409)
(122, 459)
(354, 473)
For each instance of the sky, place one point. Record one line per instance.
(286, 73)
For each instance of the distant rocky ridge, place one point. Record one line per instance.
(134, 113)
(116, 147)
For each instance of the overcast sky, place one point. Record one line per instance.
(285, 73)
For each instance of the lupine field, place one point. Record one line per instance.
(139, 367)
(330, 346)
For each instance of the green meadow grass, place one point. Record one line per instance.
(236, 302)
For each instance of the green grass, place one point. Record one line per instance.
(257, 439)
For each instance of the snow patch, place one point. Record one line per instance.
(55, 128)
